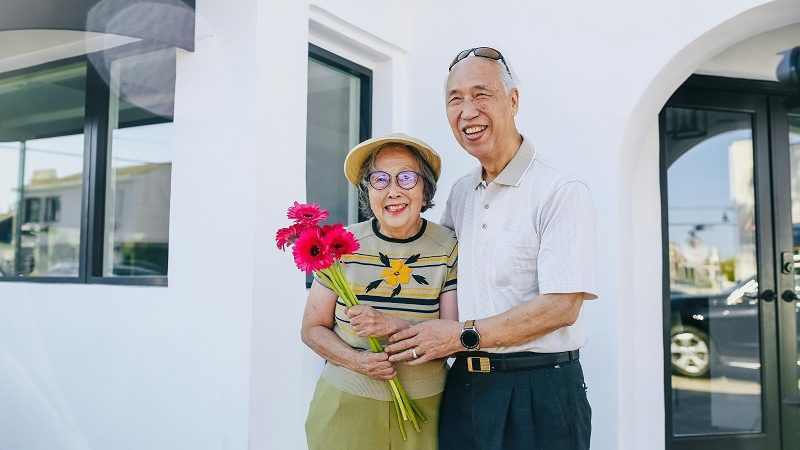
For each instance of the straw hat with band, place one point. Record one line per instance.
(361, 152)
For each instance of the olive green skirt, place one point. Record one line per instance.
(341, 421)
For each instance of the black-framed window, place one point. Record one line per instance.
(32, 210)
(75, 136)
(52, 209)
(339, 117)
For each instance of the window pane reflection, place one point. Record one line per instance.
(333, 128)
(139, 165)
(714, 344)
(41, 171)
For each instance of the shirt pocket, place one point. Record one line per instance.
(514, 260)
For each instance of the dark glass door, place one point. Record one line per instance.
(786, 170)
(730, 337)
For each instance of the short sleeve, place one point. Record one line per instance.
(451, 280)
(447, 216)
(567, 249)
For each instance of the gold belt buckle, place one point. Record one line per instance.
(483, 365)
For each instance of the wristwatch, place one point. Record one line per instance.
(470, 338)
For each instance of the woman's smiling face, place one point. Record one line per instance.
(396, 209)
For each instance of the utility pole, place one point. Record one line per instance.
(20, 210)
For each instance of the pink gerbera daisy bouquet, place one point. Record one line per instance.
(319, 249)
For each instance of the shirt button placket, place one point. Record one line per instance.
(486, 200)
(484, 222)
(485, 214)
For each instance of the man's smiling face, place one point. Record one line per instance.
(480, 112)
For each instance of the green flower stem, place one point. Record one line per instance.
(404, 407)
(407, 403)
(399, 420)
(374, 345)
(418, 412)
(324, 274)
(393, 384)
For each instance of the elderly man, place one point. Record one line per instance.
(526, 264)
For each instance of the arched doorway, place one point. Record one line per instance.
(638, 196)
(731, 217)
(730, 183)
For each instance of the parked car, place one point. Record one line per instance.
(714, 335)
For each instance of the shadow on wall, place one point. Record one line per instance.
(38, 402)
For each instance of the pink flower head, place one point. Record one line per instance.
(306, 214)
(310, 252)
(286, 236)
(340, 241)
(325, 229)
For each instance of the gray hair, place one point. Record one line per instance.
(508, 77)
(428, 179)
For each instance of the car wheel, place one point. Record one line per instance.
(691, 351)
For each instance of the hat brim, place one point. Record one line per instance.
(361, 152)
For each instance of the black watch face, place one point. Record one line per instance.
(469, 338)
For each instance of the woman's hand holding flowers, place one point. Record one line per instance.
(375, 365)
(368, 321)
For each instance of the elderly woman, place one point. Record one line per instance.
(403, 273)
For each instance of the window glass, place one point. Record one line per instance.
(41, 170)
(32, 210)
(139, 165)
(52, 209)
(334, 126)
(333, 129)
(713, 275)
(794, 158)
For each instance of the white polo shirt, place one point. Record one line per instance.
(531, 231)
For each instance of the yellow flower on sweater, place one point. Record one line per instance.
(398, 273)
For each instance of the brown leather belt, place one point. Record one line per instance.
(483, 362)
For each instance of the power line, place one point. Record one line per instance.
(78, 155)
(701, 207)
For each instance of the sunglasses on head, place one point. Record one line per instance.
(380, 180)
(483, 52)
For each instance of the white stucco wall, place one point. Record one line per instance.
(114, 367)
(214, 361)
(594, 78)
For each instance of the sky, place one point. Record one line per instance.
(64, 154)
(699, 193)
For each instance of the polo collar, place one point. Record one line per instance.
(516, 168)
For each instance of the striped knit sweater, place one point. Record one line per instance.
(401, 278)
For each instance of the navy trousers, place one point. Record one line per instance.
(543, 408)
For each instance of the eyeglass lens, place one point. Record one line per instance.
(380, 180)
(488, 52)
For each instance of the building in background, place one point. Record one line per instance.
(149, 150)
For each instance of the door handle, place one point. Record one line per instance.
(789, 296)
(768, 295)
(792, 402)
(787, 263)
